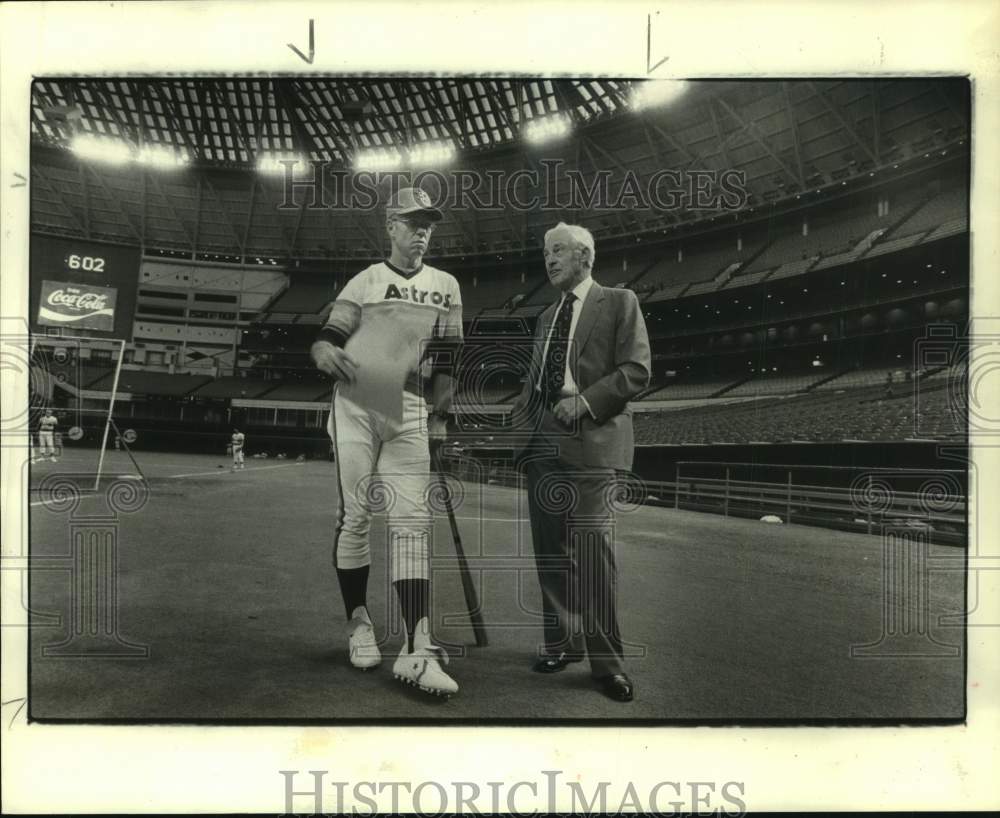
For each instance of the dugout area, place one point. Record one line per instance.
(175, 599)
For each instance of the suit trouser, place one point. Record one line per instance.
(572, 528)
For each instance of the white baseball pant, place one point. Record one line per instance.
(46, 443)
(385, 466)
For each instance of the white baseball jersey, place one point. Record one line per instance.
(420, 316)
(421, 311)
(46, 434)
(238, 439)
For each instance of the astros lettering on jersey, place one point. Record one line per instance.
(422, 310)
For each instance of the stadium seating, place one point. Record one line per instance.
(489, 291)
(940, 416)
(828, 234)
(746, 280)
(536, 289)
(234, 387)
(691, 388)
(793, 268)
(881, 248)
(948, 205)
(956, 373)
(842, 230)
(866, 377)
(696, 265)
(90, 374)
(777, 384)
(667, 293)
(71, 372)
(952, 227)
(297, 392)
(857, 414)
(142, 382)
(835, 259)
(303, 298)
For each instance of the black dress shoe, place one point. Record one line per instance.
(618, 687)
(556, 662)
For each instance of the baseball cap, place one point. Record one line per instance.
(410, 200)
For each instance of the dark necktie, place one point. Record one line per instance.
(555, 358)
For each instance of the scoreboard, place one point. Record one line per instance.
(83, 286)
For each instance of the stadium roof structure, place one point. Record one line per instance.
(785, 138)
(227, 121)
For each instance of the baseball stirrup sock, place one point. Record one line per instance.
(353, 587)
(409, 554)
(414, 600)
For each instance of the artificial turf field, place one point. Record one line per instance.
(227, 579)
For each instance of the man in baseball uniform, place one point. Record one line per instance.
(46, 435)
(418, 310)
(237, 445)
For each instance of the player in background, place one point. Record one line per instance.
(46, 435)
(420, 308)
(238, 440)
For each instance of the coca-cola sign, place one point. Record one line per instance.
(65, 304)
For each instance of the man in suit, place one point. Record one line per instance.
(591, 355)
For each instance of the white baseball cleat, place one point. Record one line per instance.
(422, 669)
(362, 646)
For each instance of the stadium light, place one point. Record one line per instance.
(432, 153)
(546, 128)
(112, 151)
(652, 93)
(378, 159)
(162, 156)
(271, 163)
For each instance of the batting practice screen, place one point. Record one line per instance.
(79, 285)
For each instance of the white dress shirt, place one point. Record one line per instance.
(569, 385)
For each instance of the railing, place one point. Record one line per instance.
(932, 500)
(848, 497)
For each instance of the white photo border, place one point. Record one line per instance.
(74, 768)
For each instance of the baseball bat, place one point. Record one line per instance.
(471, 597)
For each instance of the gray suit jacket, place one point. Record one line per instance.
(610, 361)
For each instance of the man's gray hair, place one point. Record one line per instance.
(581, 235)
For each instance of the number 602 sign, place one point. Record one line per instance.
(93, 264)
